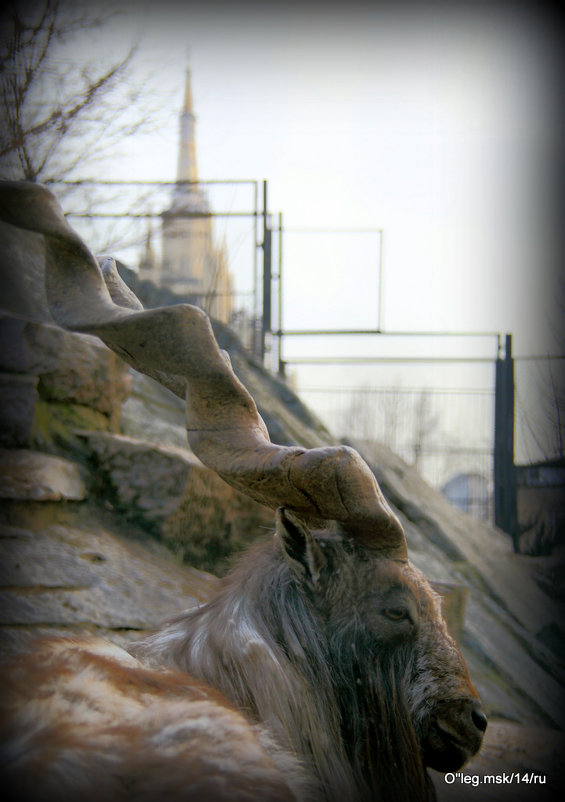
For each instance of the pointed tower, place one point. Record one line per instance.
(187, 225)
(186, 166)
(192, 265)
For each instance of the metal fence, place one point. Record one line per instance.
(447, 434)
(125, 218)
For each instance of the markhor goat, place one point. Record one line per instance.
(321, 669)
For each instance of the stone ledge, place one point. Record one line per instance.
(18, 398)
(32, 476)
(71, 367)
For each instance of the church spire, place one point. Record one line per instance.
(187, 106)
(186, 167)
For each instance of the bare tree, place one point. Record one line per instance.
(540, 398)
(376, 415)
(358, 418)
(68, 108)
(554, 405)
(57, 114)
(425, 424)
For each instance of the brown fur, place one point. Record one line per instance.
(83, 720)
(320, 670)
(353, 693)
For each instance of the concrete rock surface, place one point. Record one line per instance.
(86, 559)
(32, 476)
(78, 574)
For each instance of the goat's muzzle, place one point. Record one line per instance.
(453, 734)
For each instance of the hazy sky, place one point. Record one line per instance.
(435, 125)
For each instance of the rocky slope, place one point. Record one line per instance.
(109, 524)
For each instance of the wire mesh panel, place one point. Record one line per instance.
(445, 433)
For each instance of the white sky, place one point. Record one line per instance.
(434, 126)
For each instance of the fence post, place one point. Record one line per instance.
(281, 369)
(267, 270)
(505, 512)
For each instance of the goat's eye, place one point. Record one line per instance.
(396, 613)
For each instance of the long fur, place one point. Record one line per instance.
(326, 689)
(320, 671)
(263, 650)
(81, 719)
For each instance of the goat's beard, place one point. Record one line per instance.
(377, 729)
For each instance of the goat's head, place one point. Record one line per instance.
(389, 645)
(335, 530)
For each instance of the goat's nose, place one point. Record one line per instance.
(478, 717)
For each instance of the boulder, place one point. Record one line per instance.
(86, 577)
(154, 414)
(167, 490)
(74, 368)
(22, 258)
(144, 481)
(32, 476)
(18, 398)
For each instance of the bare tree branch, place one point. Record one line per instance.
(61, 119)
(67, 112)
(58, 113)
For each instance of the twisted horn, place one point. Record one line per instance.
(176, 346)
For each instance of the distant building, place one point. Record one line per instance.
(540, 498)
(469, 492)
(191, 263)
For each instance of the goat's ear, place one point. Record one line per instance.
(300, 548)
